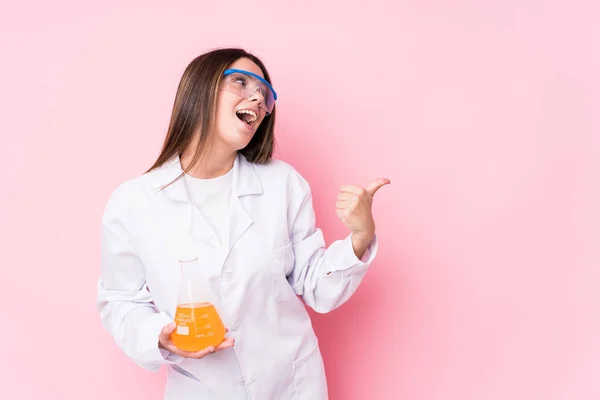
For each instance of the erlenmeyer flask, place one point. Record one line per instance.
(197, 320)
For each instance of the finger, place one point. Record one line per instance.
(195, 354)
(170, 347)
(341, 213)
(344, 204)
(228, 342)
(204, 352)
(189, 354)
(166, 331)
(351, 189)
(346, 196)
(377, 184)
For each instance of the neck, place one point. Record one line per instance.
(214, 163)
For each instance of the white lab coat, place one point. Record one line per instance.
(275, 254)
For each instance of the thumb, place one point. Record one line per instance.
(167, 329)
(377, 184)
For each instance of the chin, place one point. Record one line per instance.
(237, 144)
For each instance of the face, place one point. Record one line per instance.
(238, 118)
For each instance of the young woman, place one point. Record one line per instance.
(216, 192)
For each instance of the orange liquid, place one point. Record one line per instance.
(198, 326)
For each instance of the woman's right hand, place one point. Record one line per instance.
(164, 342)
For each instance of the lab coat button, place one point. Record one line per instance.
(229, 276)
(242, 382)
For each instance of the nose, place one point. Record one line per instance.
(257, 96)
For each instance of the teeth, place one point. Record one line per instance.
(254, 116)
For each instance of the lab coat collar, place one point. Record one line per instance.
(245, 179)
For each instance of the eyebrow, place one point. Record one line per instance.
(259, 84)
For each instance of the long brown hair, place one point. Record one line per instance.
(195, 107)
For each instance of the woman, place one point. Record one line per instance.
(216, 191)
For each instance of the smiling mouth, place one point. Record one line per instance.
(247, 116)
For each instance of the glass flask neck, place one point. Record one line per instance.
(190, 268)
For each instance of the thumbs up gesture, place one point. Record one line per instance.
(354, 209)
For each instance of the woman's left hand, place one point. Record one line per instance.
(354, 206)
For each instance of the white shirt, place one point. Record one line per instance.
(275, 261)
(212, 197)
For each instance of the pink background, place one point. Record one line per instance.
(485, 116)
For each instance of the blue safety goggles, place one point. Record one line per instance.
(245, 84)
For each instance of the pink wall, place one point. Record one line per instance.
(485, 115)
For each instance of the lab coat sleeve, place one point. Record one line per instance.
(125, 305)
(325, 278)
